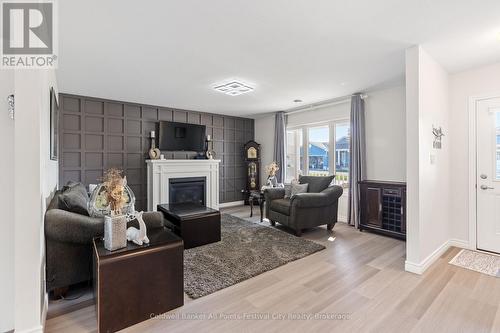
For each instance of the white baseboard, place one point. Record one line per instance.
(36, 329)
(231, 204)
(420, 268)
(460, 243)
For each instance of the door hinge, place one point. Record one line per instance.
(11, 108)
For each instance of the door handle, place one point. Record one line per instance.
(484, 187)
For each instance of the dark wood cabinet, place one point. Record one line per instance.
(383, 207)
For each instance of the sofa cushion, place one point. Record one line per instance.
(316, 183)
(76, 186)
(281, 206)
(55, 202)
(74, 198)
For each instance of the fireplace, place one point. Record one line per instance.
(188, 189)
(160, 172)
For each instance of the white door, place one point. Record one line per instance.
(488, 175)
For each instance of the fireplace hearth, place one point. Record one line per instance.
(187, 190)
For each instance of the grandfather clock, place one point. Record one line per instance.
(252, 159)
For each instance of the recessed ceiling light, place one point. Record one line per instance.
(297, 101)
(343, 84)
(233, 88)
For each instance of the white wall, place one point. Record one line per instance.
(438, 200)
(434, 177)
(6, 204)
(264, 134)
(35, 179)
(412, 155)
(476, 82)
(386, 134)
(385, 131)
(427, 86)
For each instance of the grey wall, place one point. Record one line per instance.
(98, 134)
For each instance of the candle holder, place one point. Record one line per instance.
(154, 153)
(209, 154)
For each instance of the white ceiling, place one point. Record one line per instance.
(170, 53)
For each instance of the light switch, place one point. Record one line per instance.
(433, 159)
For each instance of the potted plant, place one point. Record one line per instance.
(115, 223)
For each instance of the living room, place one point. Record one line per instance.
(262, 166)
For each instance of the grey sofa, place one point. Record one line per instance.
(68, 236)
(305, 210)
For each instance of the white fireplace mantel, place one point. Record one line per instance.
(160, 172)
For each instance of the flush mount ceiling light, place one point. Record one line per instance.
(233, 88)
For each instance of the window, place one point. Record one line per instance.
(327, 153)
(497, 139)
(342, 153)
(294, 154)
(318, 151)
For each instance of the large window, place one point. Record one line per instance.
(294, 154)
(327, 153)
(342, 152)
(497, 139)
(318, 151)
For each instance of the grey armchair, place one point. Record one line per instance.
(304, 210)
(69, 235)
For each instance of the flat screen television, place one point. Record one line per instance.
(181, 137)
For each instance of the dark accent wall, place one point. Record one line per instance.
(97, 134)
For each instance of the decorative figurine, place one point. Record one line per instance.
(154, 153)
(138, 236)
(438, 134)
(271, 174)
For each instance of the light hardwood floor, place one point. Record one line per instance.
(360, 277)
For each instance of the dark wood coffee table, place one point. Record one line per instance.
(195, 224)
(136, 283)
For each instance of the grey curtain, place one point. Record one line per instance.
(357, 167)
(280, 144)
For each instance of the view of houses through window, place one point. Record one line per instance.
(328, 151)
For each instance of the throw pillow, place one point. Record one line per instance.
(74, 199)
(288, 188)
(298, 188)
(316, 183)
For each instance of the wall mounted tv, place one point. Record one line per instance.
(181, 137)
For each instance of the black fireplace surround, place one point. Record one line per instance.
(187, 190)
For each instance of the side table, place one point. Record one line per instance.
(138, 282)
(260, 199)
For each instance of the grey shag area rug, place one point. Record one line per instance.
(478, 261)
(246, 249)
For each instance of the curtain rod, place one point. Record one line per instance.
(331, 102)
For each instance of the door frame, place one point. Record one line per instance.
(473, 101)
